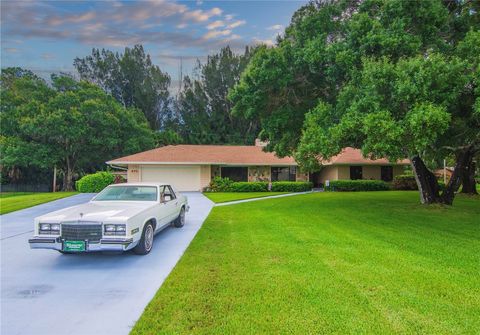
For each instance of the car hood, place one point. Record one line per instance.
(104, 211)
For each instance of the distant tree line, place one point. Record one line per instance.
(120, 105)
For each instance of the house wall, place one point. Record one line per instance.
(343, 172)
(329, 172)
(133, 173)
(205, 175)
(337, 172)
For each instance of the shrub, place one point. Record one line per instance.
(219, 184)
(404, 182)
(94, 183)
(358, 185)
(408, 182)
(291, 186)
(255, 186)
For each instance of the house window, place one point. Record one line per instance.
(235, 173)
(355, 172)
(287, 173)
(387, 173)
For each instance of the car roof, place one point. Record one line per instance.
(141, 184)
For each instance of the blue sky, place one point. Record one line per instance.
(46, 36)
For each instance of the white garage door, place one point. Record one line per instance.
(184, 178)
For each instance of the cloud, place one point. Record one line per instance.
(118, 24)
(236, 24)
(12, 50)
(275, 27)
(216, 33)
(215, 24)
(48, 56)
(267, 42)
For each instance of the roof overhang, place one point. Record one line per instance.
(198, 163)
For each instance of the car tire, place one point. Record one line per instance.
(180, 220)
(145, 244)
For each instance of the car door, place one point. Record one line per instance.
(167, 206)
(173, 202)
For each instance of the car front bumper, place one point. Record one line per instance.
(117, 244)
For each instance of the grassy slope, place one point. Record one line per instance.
(231, 196)
(328, 262)
(10, 202)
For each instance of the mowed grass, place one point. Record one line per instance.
(344, 263)
(10, 202)
(219, 197)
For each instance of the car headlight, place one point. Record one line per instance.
(49, 228)
(115, 229)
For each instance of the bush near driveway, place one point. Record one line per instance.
(94, 183)
(291, 186)
(357, 185)
(219, 184)
(326, 263)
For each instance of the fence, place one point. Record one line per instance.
(25, 188)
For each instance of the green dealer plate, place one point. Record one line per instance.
(74, 246)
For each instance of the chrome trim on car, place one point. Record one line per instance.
(103, 245)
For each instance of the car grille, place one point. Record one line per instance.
(82, 231)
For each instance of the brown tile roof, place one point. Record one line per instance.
(206, 154)
(234, 155)
(354, 156)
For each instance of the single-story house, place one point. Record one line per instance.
(192, 167)
(350, 164)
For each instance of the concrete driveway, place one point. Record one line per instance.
(45, 292)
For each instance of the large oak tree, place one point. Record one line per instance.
(73, 125)
(394, 78)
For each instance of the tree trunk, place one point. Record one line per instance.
(426, 181)
(469, 184)
(68, 177)
(463, 160)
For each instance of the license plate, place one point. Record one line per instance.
(74, 246)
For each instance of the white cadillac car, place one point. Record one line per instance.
(121, 217)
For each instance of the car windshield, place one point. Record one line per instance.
(128, 193)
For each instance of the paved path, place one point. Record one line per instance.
(261, 198)
(45, 292)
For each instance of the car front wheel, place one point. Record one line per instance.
(145, 244)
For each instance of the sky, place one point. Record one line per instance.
(46, 36)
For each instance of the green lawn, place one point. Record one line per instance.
(344, 263)
(218, 197)
(10, 202)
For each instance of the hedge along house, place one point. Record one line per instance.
(351, 165)
(192, 167)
